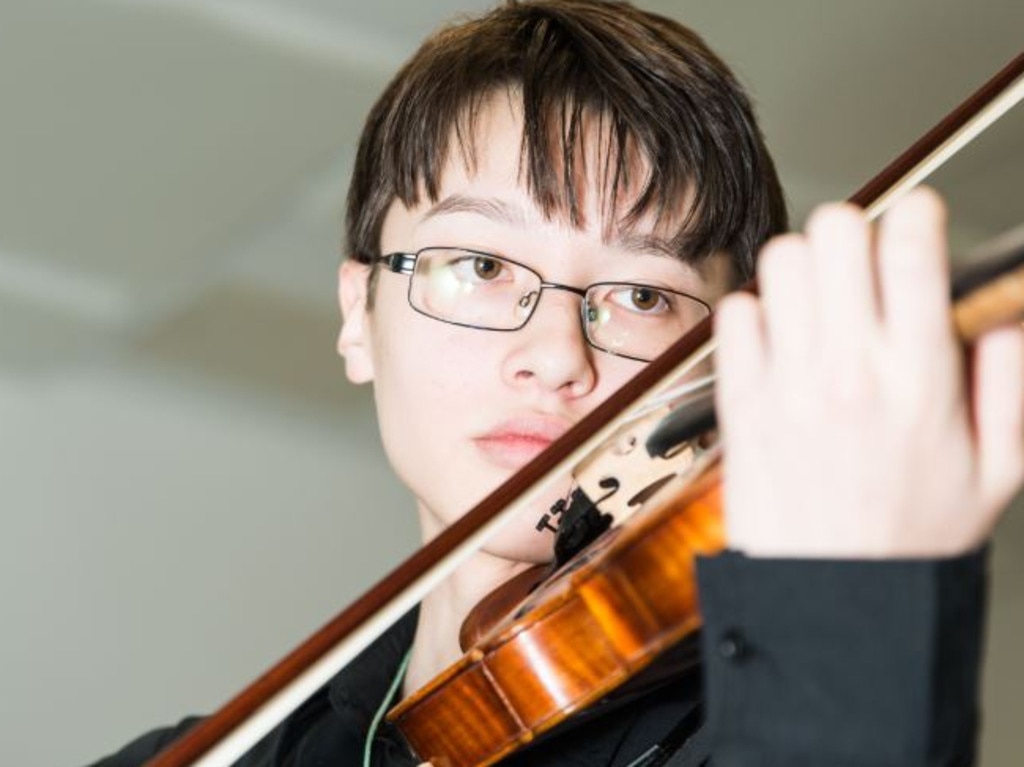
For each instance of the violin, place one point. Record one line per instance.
(625, 597)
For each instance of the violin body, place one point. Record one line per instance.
(579, 635)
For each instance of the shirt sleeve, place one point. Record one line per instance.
(146, 746)
(313, 734)
(845, 663)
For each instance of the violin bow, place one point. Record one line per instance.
(222, 738)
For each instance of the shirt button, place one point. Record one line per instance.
(733, 646)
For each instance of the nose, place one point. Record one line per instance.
(551, 351)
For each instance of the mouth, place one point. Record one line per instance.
(514, 443)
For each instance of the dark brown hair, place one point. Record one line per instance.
(657, 90)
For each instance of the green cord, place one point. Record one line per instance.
(384, 707)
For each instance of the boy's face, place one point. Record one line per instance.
(461, 409)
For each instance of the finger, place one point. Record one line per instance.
(788, 302)
(740, 356)
(840, 239)
(740, 362)
(914, 277)
(999, 413)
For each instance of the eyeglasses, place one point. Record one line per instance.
(480, 290)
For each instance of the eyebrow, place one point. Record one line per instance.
(648, 243)
(489, 207)
(504, 212)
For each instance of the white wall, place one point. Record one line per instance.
(160, 545)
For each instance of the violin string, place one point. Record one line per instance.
(673, 395)
(673, 392)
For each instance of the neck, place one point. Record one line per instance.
(442, 612)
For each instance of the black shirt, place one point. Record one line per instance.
(805, 662)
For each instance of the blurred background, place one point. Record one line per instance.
(188, 486)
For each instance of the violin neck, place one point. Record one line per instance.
(991, 292)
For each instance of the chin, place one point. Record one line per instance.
(523, 544)
(519, 541)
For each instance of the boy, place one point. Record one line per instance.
(543, 200)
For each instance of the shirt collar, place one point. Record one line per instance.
(360, 687)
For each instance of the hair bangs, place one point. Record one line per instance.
(615, 101)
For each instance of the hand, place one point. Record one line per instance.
(850, 427)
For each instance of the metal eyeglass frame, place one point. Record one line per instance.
(405, 263)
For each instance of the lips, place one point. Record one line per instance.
(515, 442)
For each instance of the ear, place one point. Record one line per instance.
(354, 339)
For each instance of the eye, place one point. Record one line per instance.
(646, 299)
(475, 268)
(486, 268)
(641, 299)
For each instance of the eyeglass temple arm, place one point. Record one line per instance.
(399, 263)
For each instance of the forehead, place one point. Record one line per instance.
(589, 181)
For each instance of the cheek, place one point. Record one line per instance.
(426, 364)
(432, 383)
(612, 373)
(412, 354)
